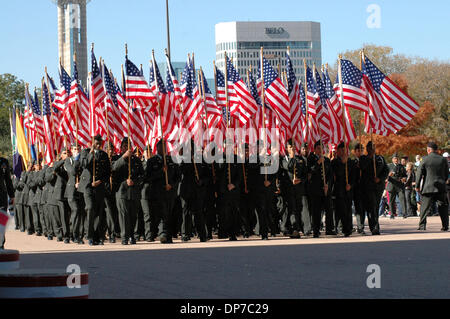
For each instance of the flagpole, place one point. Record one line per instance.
(263, 102)
(160, 119)
(318, 124)
(51, 112)
(363, 60)
(343, 113)
(93, 162)
(227, 109)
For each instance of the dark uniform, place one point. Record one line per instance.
(296, 195)
(396, 187)
(75, 198)
(162, 200)
(26, 211)
(249, 196)
(61, 216)
(6, 189)
(371, 189)
(319, 200)
(358, 196)
(342, 197)
(150, 225)
(434, 170)
(94, 197)
(211, 199)
(128, 197)
(50, 204)
(195, 178)
(34, 199)
(265, 197)
(112, 215)
(230, 199)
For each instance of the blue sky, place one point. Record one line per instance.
(29, 29)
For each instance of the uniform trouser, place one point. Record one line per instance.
(150, 224)
(77, 217)
(298, 211)
(359, 209)
(264, 206)
(211, 212)
(60, 218)
(95, 202)
(48, 219)
(319, 204)
(21, 216)
(230, 205)
(16, 217)
(283, 207)
(401, 197)
(36, 219)
(425, 208)
(276, 213)
(28, 218)
(371, 205)
(409, 204)
(247, 206)
(163, 204)
(139, 228)
(193, 217)
(45, 228)
(112, 221)
(127, 217)
(343, 212)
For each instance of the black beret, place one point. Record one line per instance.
(318, 143)
(341, 145)
(433, 146)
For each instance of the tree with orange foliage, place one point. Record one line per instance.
(408, 141)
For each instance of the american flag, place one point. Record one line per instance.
(57, 115)
(116, 114)
(295, 101)
(29, 121)
(242, 103)
(398, 105)
(335, 105)
(221, 98)
(79, 102)
(37, 115)
(309, 124)
(137, 87)
(96, 98)
(192, 106)
(335, 122)
(48, 127)
(213, 111)
(168, 113)
(352, 87)
(277, 96)
(315, 106)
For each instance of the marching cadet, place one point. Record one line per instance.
(266, 186)
(195, 177)
(357, 190)
(342, 179)
(35, 197)
(319, 190)
(26, 212)
(96, 172)
(434, 171)
(43, 204)
(212, 194)
(230, 181)
(19, 202)
(6, 189)
(296, 170)
(150, 225)
(374, 172)
(249, 193)
(61, 216)
(163, 192)
(75, 200)
(395, 187)
(51, 204)
(111, 188)
(15, 183)
(130, 174)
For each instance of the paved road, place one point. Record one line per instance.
(413, 265)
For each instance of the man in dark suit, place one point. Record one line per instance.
(434, 171)
(395, 187)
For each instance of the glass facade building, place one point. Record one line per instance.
(242, 42)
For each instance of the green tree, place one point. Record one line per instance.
(12, 92)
